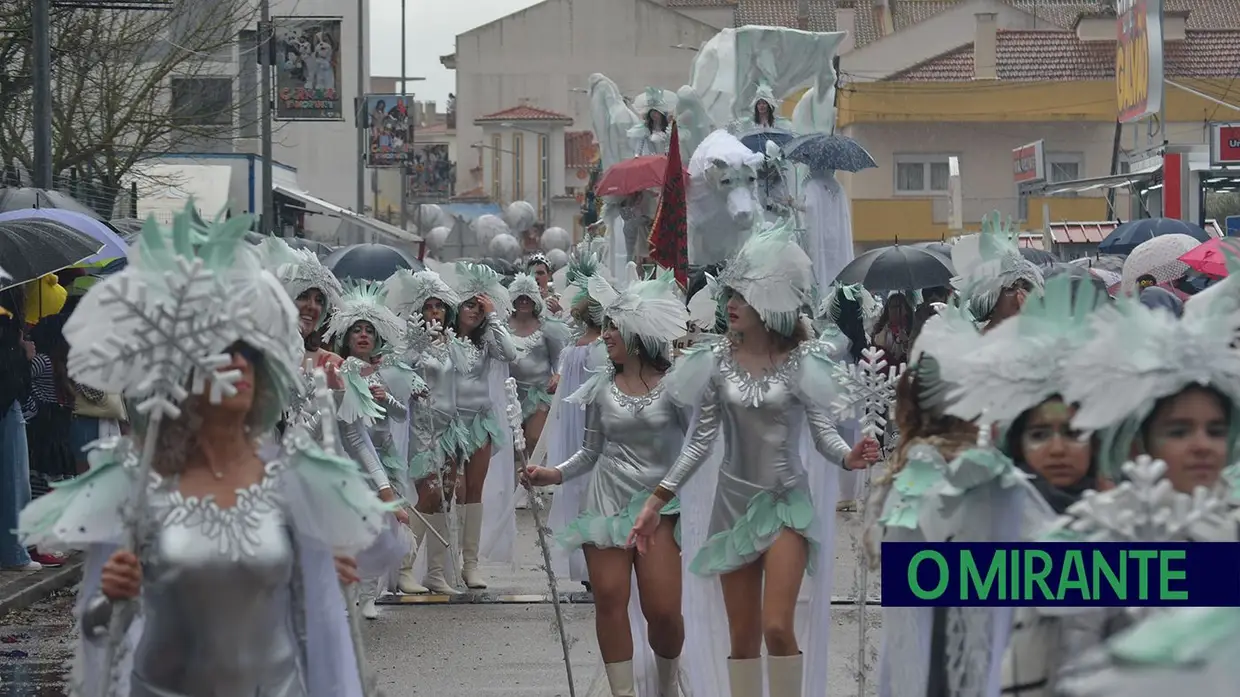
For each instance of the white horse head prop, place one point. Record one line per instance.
(723, 198)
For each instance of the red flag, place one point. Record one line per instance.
(669, 235)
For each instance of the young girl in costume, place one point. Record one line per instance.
(481, 322)
(634, 432)
(436, 437)
(539, 337)
(369, 336)
(234, 569)
(762, 397)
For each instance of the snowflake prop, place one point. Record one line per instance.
(868, 391)
(165, 332)
(1143, 508)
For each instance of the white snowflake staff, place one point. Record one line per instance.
(867, 394)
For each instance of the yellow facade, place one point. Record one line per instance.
(987, 101)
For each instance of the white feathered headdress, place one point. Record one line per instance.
(407, 292)
(766, 94)
(471, 280)
(946, 335)
(365, 302)
(647, 311)
(1022, 362)
(987, 264)
(773, 274)
(524, 286)
(871, 310)
(299, 270)
(1139, 355)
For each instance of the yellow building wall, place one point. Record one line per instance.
(910, 220)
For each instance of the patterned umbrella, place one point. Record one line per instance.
(756, 140)
(1157, 261)
(825, 152)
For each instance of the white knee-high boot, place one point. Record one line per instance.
(437, 558)
(745, 677)
(369, 594)
(407, 583)
(668, 670)
(471, 540)
(620, 679)
(783, 675)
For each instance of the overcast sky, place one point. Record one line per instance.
(433, 26)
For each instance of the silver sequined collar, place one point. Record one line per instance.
(233, 529)
(753, 389)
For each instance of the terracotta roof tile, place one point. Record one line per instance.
(701, 3)
(524, 112)
(1060, 55)
(783, 13)
(1203, 14)
(580, 149)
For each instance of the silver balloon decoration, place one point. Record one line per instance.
(555, 238)
(488, 227)
(432, 216)
(436, 239)
(520, 216)
(506, 247)
(558, 258)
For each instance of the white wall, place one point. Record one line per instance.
(545, 52)
(528, 164)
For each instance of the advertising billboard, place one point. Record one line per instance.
(1139, 58)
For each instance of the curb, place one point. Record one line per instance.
(578, 598)
(37, 585)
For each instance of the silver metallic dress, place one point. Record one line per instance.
(435, 434)
(630, 444)
(537, 357)
(762, 481)
(478, 413)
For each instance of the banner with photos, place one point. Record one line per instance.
(389, 130)
(308, 74)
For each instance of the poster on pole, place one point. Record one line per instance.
(389, 130)
(308, 74)
(1139, 59)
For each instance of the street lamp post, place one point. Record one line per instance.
(404, 90)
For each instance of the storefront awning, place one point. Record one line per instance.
(349, 216)
(1112, 181)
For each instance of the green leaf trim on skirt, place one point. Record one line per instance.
(754, 533)
(534, 398)
(477, 430)
(608, 532)
(449, 444)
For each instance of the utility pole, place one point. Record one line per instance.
(41, 26)
(359, 113)
(410, 113)
(268, 221)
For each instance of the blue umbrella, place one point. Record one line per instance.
(824, 152)
(1125, 238)
(114, 246)
(757, 140)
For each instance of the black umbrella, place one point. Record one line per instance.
(320, 249)
(938, 247)
(1127, 236)
(756, 140)
(14, 198)
(898, 267)
(1039, 257)
(33, 248)
(1079, 274)
(369, 262)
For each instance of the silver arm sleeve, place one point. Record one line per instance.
(586, 457)
(499, 340)
(359, 447)
(396, 410)
(826, 434)
(697, 447)
(556, 343)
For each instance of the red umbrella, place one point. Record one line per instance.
(1208, 257)
(632, 176)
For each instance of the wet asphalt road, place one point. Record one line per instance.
(440, 651)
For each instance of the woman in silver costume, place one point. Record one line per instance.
(764, 389)
(634, 433)
(435, 434)
(369, 336)
(234, 568)
(481, 322)
(539, 338)
(539, 266)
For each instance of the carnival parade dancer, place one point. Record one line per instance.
(234, 568)
(650, 137)
(369, 336)
(539, 337)
(1168, 391)
(436, 437)
(634, 432)
(487, 501)
(766, 389)
(539, 266)
(566, 423)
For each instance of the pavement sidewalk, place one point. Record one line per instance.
(21, 589)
